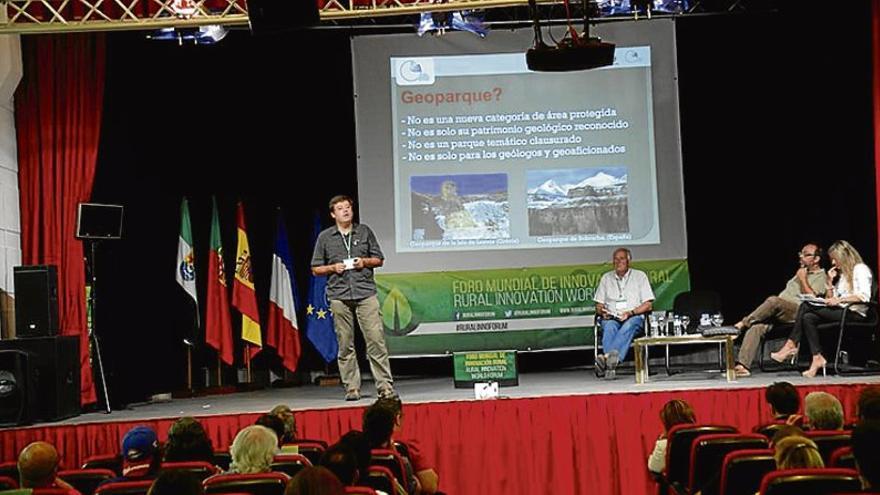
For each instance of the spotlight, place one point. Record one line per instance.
(574, 52)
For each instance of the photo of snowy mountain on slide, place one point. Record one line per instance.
(578, 201)
(471, 206)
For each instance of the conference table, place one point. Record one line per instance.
(642, 345)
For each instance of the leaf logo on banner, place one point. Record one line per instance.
(397, 314)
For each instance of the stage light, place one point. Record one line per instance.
(574, 52)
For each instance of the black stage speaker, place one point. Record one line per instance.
(17, 399)
(36, 301)
(276, 16)
(52, 384)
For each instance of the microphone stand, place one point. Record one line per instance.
(91, 304)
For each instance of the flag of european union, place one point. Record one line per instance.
(319, 320)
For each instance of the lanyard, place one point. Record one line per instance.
(621, 288)
(346, 241)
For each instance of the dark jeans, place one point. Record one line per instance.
(809, 318)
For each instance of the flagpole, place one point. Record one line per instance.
(189, 369)
(219, 372)
(247, 360)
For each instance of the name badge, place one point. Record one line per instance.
(349, 263)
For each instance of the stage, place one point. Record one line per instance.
(557, 432)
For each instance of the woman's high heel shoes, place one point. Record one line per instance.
(784, 354)
(811, 373)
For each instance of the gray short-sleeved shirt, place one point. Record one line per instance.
(331, 248)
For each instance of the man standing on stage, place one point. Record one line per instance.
(347, 253)
(623, 297)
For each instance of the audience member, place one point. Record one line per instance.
(341, 461)
(795, 452)
(823, 411)
(786, 431)
(274, 423)
(869, 403)
(176, 482)
(674, 412)
(422, 465)
(38, 468)
(379, 422)
(253, 450)
(187, 441)
(285, 414)
(360, 446)
(140, 455)
(784, 403)
(314, 481)
(866, 449)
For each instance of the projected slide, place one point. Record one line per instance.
(489, 155)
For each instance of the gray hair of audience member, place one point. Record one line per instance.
(176, 482)
(796, 452)
(823, 411)
(314, 481)
(866, 450)
(37, 465)
(286, 415)
(253, 449)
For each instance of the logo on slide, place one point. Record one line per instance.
(415, 71)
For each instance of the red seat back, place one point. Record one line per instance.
(9, 469)
(391, 460)
(200, 469)
(7, 483)
(743, 470)
(707, 456)
(311, 449)
(112, 462)
(810, 481)
(86, 481)
(255, 484)
(678, 449)
(843, 458)
(290, 464)
(828, 441)
(125, 488)
(380, 478)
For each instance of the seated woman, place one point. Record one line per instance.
(853, 287)
(795, 452)
(674, 412)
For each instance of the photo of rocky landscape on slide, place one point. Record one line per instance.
(472, 206)
(580, 201)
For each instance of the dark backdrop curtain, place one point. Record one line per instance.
(58, 108)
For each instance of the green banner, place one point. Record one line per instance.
(514, 308)
(496, 366)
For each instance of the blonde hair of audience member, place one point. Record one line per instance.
(823, 411)
(676, 412)
(847, 258)
(38, 465)
(314, 481)
(796, 452)
(253, 449)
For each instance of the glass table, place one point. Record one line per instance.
(642, 345)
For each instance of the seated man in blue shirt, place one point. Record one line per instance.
(623, 297)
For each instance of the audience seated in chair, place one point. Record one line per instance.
(422, 464)
(785, 402)
(176, 483)
(869, 403)
(795, 452)
(275, 424)
(140, 455)
(38, 467)
(823, 411)
(315, 481)
(252, 450)
(379, 422)
(674, 412)
(285, 414)
(187, 441)
(866, 449)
